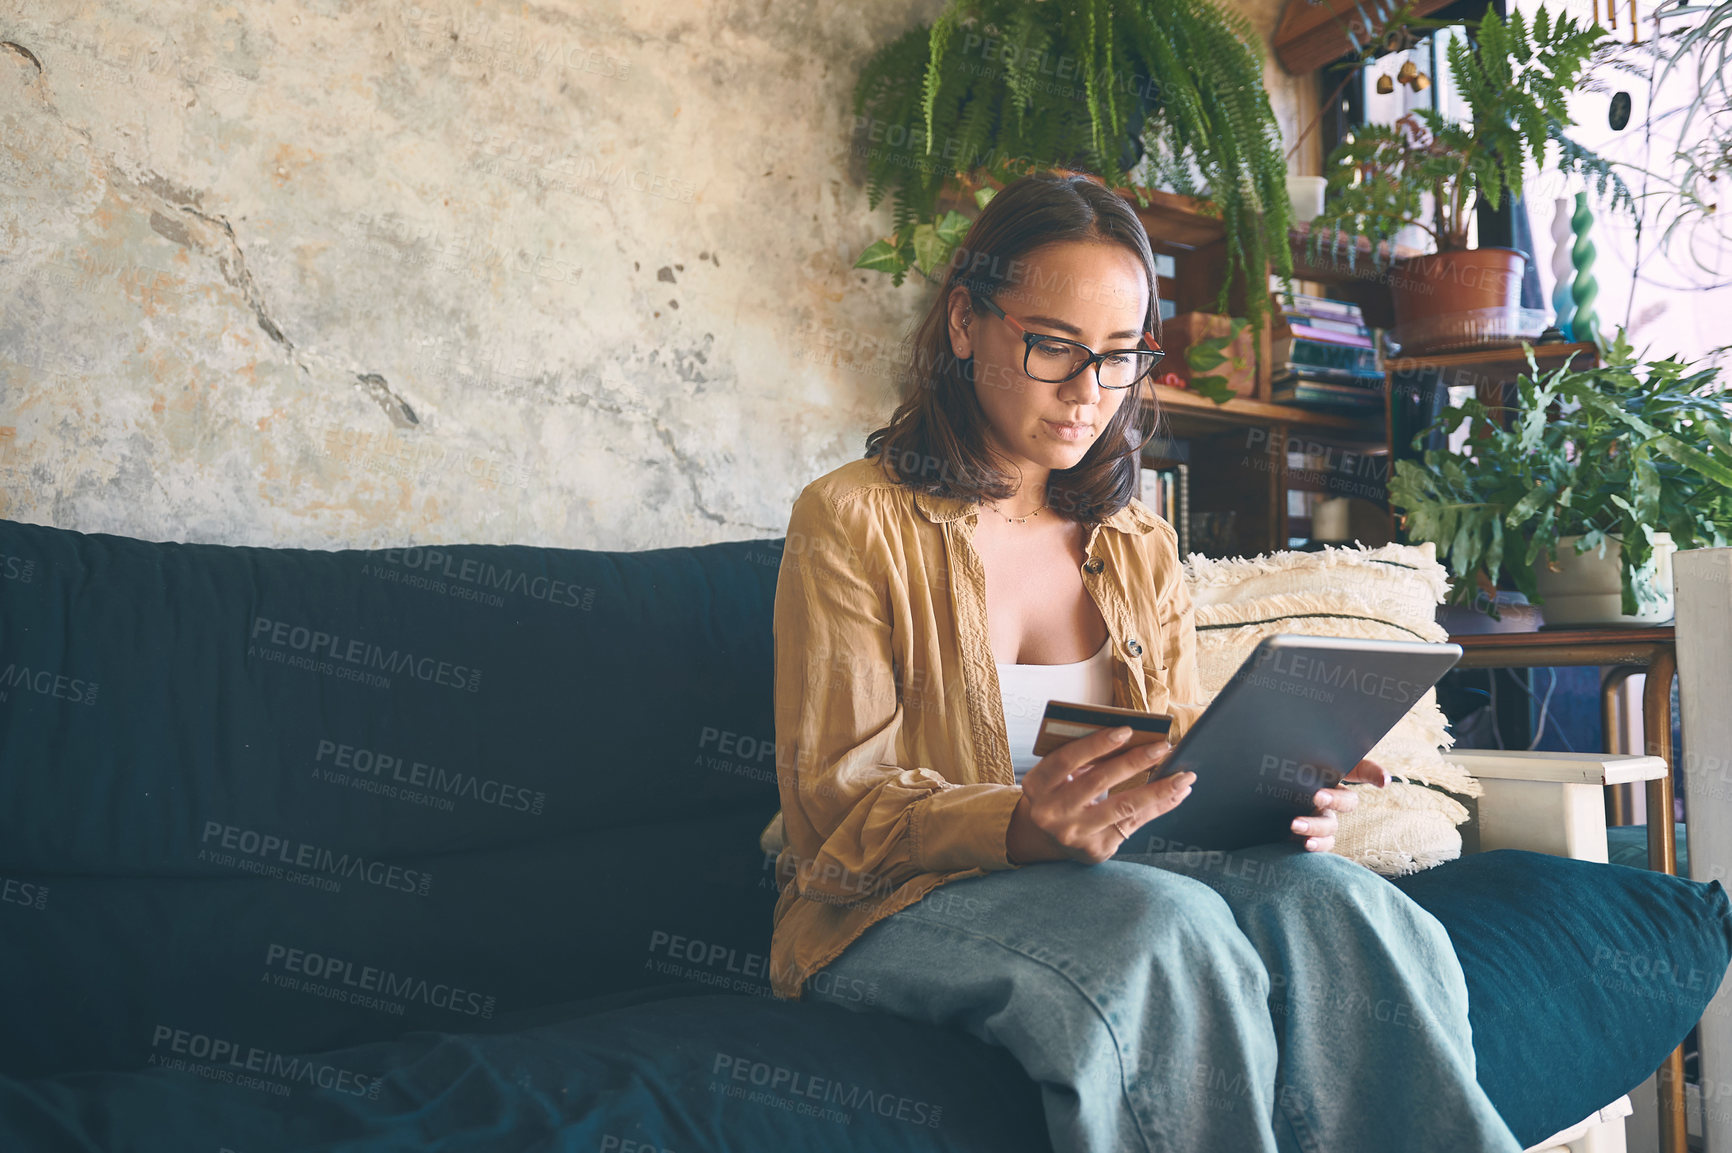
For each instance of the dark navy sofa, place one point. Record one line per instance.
(455, 848)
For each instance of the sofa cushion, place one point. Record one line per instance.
(378, 703)
(1389, 593)
(1581, 976)
(518, 772)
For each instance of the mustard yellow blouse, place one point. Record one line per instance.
(892, 761)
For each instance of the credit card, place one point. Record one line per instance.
(1065, 721)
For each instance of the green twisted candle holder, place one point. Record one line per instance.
(1584, 322)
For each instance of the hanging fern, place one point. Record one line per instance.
(999, 88)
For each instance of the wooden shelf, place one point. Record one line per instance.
(1172, 220)
(1312, 35)
(1490, 360)
(1181, 403)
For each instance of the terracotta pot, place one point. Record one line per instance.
(1585, 590)
(1421, 287)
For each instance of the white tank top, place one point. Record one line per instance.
(1027, 688)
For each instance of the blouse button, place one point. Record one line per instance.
(1093, 564)
(1136, 649)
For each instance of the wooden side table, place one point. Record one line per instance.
(1653, 649)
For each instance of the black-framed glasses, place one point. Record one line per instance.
(1054, 359)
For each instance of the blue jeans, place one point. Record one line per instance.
(1268, 999)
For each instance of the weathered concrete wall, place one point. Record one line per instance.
(339, 274)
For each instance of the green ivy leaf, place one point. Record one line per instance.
(930, 249)
(953, 227)
(1213, 387)
(881, 256)
(1202, 358)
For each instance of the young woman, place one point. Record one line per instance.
(987, 555)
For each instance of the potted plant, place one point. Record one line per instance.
(1166, 91)
(1591, 460)
(1430, 171)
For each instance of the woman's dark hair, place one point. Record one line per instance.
(935, 442)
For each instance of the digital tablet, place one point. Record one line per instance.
(1297, 716)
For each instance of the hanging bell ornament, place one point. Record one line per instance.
(1421, 82)
(1408, 71)
(1385, 85)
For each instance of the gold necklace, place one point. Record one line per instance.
(1018, 519)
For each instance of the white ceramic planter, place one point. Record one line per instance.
(1585, 591)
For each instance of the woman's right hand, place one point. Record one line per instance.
(1058, 818)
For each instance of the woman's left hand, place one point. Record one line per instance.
(1318, 830)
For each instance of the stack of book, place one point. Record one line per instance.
(1165, 488)
(1324, 355)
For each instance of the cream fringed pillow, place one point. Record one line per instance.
(1391, 592)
